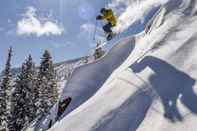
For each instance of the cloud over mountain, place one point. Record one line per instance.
(31, 24)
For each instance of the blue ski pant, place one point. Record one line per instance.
(108, 28)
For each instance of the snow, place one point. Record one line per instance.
(86, 80)
(146, 82)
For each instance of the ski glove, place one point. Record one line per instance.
(99, 17)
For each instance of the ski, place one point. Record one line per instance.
(110, 36)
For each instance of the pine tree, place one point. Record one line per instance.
(46, 85)
(5, 90)
(99, 52)
(17, 103)
(31, 89)
(22, 104)
(86, 59)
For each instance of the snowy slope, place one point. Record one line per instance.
(86, 80)
(153, 88)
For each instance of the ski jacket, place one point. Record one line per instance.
(108, 15)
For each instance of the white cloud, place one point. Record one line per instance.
(87, 28)
(30, 24)
(135, 10)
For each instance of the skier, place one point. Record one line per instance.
(109, 17)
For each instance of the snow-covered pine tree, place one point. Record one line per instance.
(86, 59)
(99, 52)
(46, 85)
(5, 90)
(22, 100)
(16, 120)
(31, 95)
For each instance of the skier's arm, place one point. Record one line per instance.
(99, 17)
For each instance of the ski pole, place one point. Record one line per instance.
(94, 36)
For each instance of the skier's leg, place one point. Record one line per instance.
(109, 36)
(107, 28)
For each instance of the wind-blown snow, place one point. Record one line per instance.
(151, 88)
(134, 11)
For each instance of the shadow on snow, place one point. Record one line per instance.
(170, 84)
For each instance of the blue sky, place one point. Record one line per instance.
(70, 44)
(64, 27)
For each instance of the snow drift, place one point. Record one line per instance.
(151, 87)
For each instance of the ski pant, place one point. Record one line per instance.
(108, 28)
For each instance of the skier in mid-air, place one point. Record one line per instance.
(109, 17)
